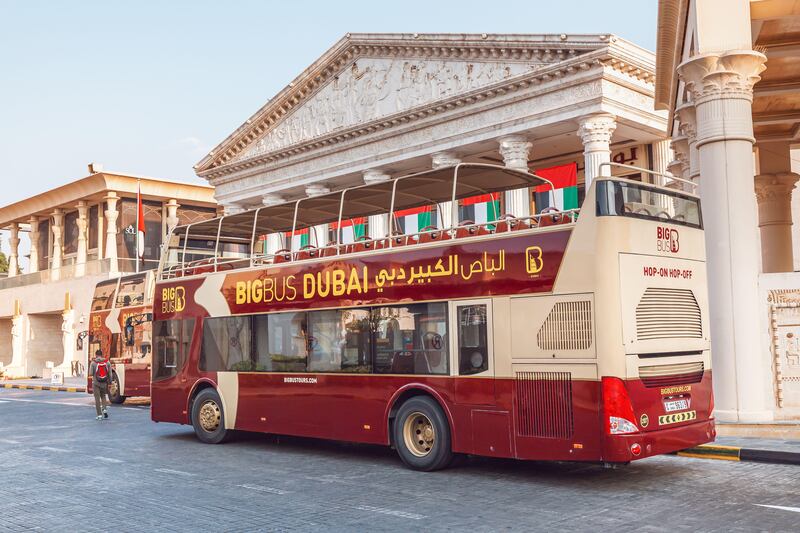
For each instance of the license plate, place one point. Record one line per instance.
(671, 406)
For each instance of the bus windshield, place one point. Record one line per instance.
(617, 198)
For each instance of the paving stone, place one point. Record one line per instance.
(158, 477)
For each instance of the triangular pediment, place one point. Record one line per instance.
(366, 78)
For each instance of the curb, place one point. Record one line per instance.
(734, 453)
(44, 387)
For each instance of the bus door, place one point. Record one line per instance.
(471, 346)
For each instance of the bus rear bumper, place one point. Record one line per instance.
(620, 448)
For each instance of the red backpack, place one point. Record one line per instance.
(101, 372)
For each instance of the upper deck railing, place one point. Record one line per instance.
(267, 235)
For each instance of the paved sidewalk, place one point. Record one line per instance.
(71, 384)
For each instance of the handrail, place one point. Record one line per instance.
(667, 175)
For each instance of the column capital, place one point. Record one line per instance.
(317, 189)
(444, 159)
(515, 150)
(375, 175)
(597, 128)
(717, 75)
(271, 199)
(687, 120)
(779, 186)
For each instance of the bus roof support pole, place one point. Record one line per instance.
(453, 205)
(294, 224)
(253, 237)
(392, 220)
(339, 224)
(216, 244)
(183, 255)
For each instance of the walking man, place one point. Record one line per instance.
(100, 371)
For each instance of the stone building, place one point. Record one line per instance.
(728, 74)
(377, 106)
(78, 234)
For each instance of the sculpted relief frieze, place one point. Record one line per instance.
(373, 88)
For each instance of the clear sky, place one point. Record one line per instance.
(148, 87)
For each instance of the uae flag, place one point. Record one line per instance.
(564, 195)
(352, 229)
(140, 228)
(415, 220)
(480, 209)
(299, 239)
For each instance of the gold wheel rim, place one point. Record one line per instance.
(210, 416)
(419, 434)
(113, 389)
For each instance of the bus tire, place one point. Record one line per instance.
(113, 391)
(422, 435)
(208, 417)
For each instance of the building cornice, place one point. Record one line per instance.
(556, 49)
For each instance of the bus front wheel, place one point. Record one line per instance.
(113, 391)
(422, 435)
(208, 418)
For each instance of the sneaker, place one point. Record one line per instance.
(99, 417)
(105, 415)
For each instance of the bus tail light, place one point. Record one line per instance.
(617, 407)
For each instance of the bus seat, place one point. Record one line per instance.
(432, 234)
(328, 250)
(551, 216)
(282, 256)
(468, 228)
(509, 223)
(403, 363)
(399, 239)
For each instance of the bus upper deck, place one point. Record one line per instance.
(317, 226)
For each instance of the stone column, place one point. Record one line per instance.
(16, 368)
(57, 227)
(377, 225)
(83, 224)
(687, 116)
(111, 214)
(318, 235)
(13, 255)
(33, 263)
(662, 157)
(274, 240)
(515, 150)
(721, 86)
(67, 336)
(444, 160)
(595, 132)
(172, 214)
(774, 196)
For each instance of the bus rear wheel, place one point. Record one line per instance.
(422, 435)
(113, 391)
(208, 417)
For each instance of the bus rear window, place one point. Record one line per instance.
(615, 198)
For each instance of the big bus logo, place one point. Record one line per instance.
(533, 260)
(173, 299)
(667, 240)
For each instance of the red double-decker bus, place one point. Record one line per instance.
(120, 326)
(579, 335)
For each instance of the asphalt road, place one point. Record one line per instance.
(61, 470)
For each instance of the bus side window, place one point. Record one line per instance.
(172, 341)
(473, 344)
(411, 339)
(227, 344)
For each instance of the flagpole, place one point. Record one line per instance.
(136, 241)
